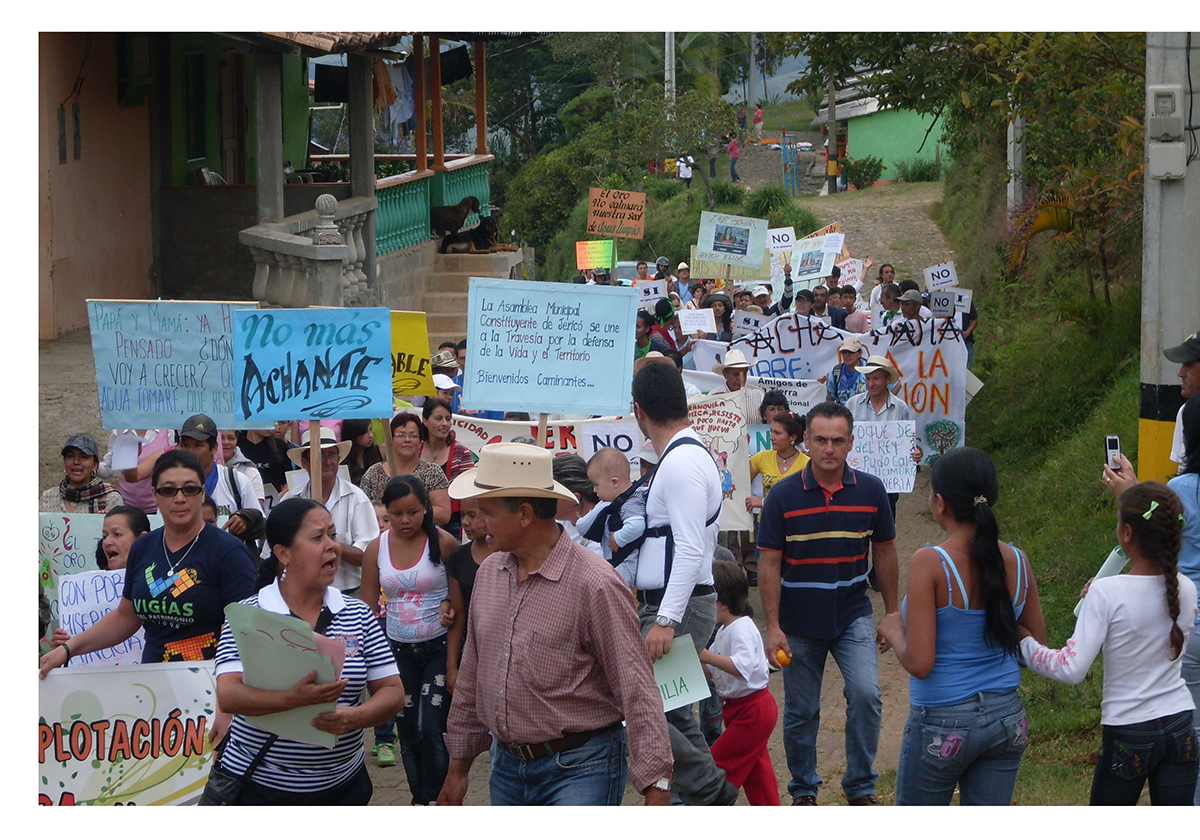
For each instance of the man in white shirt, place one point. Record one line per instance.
(735, 368)
(674, 574)
(1187, 356)
(352, 512)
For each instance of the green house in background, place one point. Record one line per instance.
(890, 134)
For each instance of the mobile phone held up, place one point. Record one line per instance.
(1112, 451)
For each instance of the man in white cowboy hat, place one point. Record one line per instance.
(735, 368)
(674, 575)
(553, 660)
(352, 512)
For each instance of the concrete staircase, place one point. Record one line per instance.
(445, 302)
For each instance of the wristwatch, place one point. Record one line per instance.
(663, 621)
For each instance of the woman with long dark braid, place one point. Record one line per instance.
(1146, 709)
(967, 600)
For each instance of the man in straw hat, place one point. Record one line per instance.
(674, 573)
(735, 368)
(553, 660)
(352, 512)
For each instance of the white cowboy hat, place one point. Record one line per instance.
(511, 469)
(328, 441)
(733, 359)
(880, 363)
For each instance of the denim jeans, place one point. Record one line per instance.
(1191, 676)
(593, 774)
(698, 780)
(1162, 751)
(733, 176)
(421, 724)
(976, 744)
(854, 653)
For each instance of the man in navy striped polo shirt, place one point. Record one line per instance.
(813, 535)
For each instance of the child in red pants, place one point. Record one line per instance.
(738, 667)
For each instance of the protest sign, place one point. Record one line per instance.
(411, 373)
(941, 276)
(701, 268)
(160, 362)
(962, 300)
(884, 449)
(534, 349)
(941, 303)
(680, 676)
(277, 651)
(737, 240)
(125, 736)
(312, 363)
(747, 322)
(691, 320)
(973, 383)
(811, 262)
(760, 439)
(790, 346)
(649, 292)
(593, 253)
(781, 239)
(852, 273)
(85, 598)
(833, 242)
(720, 421)
(836, 227)
(616, 213)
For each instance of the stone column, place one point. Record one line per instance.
(362, 150)
(268, 114)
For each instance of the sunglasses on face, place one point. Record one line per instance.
(170, 491)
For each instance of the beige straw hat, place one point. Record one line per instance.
(511, 469)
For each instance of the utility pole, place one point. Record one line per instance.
(1170, 239)
(750, 78)
(831, 150)
(669, 69)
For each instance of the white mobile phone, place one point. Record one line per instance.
(1112, 450)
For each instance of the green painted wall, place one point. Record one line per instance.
(893, 135)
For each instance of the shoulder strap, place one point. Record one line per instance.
(233, 485)
(947, 563)
(1022, 579)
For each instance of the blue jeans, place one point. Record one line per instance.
(698, 780)
(422, 722)
(733, 176)
(1163, 751)
(854, 653)
(976, 744)
(1191, 676)
(593, 774)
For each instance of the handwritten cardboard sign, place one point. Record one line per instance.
(833, 242)
(532, 349)
(747, 322)
(160, 362)
(85, 598)
(680, 676)
(125, 736)
(720, 421)
(277, 651)
(962, 300)
(811, 262)
(781, 239)
(733, 273)
(835, 227)
(941, 303)
(411, 373)
(852, 273)
(884, 449)
(691, 320)
(593, 253)
(940, 276)
(312, 363)
(649, 292)
(736, 240)
(616, 213)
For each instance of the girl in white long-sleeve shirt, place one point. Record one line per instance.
(1146, 710)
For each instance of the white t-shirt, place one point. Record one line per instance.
(1177, 440)
(222, 494)
(742, 643)
(683, 495)
(1127, 616)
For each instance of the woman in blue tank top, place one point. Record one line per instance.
(957, 636)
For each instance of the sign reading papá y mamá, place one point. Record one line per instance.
(616, 213)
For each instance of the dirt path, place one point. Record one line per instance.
(892, 223)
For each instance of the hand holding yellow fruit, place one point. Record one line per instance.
(782, 658)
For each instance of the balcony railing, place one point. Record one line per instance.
(402, 219)
(313, 258)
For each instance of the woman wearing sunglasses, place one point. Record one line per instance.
(178, 578)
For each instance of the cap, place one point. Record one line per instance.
(444, 383)
(648, 455)
(199, 427)
(851, 344)
(443, 359)
(83, 443)
(760, 290)
(804, 294)
(912, 295)
(1188, 351)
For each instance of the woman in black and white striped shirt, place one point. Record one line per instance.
(304, 554)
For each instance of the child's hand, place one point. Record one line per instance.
(612, 544)
(1083, 592)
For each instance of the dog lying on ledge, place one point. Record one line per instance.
(481, 239)
(450, 219)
